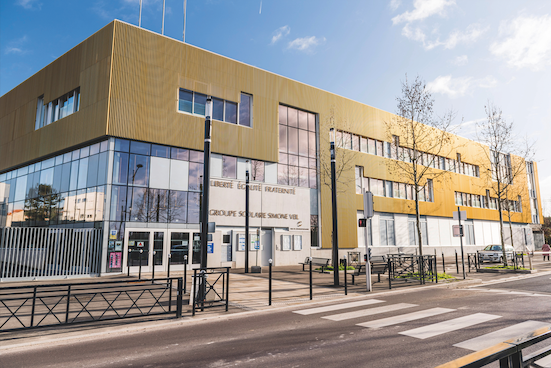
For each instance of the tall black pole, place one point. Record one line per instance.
(334, 212)
(247, 220)
(461, 241)
(206, 182)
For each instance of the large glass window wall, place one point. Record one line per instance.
(66, 189)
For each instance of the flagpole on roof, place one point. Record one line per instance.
(185, 3)
(140, 17)
(163, 25)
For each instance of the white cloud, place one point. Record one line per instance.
(526, 42)
(423, 9)
(16, 46)
(280, 32)
(457, 87)
(461, 60)
(305, 43)
(394, 4)
(29, 4)
(470, 35)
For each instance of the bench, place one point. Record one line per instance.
(316, 261)
(379, 266)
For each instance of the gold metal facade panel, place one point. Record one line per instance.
(87, 66)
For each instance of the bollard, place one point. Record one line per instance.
(168, 267)
(443, 264)
(310, 263)
(128, 262)
(270, 282)
(435, 269)
(345, 274)
(456, 262)
(389, 266)
(185, 273)
(140, 269)
(179, 299)
(469, 262)
(153, 268)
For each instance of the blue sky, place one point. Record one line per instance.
(469, 52)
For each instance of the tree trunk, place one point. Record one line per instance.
(499, 208)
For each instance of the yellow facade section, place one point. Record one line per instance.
(130, 77)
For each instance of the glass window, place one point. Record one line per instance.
(282, 174)
(82, 173)
(196, 156)
(283, 158)
(195, 176)
(388, 187)
(312, 144)
(303, 177)
(92, 179)
(65, 177)
(282, 115)
(90, 205)
(84, 152)
(199, 104)
(282, 138)
(100, 202)
(138, 170)
(67, 157)
(302, 120)
(120, 168)
(137, 204)
(293, 160)
(74, 175)
(121, 145)
(387, 229)
(177, 204)
(118, 203)
(158, 205)
(193, 208)
(303, 161)
(338, 139)
(257, 170)
(179, 154)
(231, 112)
(293, 140)
(104, 146)
(245, 109)
(94, 149)
(311, 122)
(292, 117)
(217, 109)
(102, 168)
(39, 113)
(160, 151)
(293, 175)
(46, 164)
(359, 182)
(185, 101)
(58, 172)
(363, 144)
(76, 155)
(229, 167)
(355, 143)
(140, 148)
(379, 148)
(302, 142)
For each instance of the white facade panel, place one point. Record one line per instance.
(270, 173)
(159, 173)
(215, 166)
(179, 175)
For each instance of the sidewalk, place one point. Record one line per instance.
(249, 292)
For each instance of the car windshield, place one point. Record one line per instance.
(493, 247)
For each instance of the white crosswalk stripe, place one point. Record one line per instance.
(450, 325)
(331, 308)
(369, 312)
(383, 322)
(485, 341)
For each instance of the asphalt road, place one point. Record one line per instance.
(284, 338)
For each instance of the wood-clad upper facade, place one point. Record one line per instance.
(129, 80)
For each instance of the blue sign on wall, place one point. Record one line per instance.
(210, 247)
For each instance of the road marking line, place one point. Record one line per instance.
(492, 338)
(383, 322)
(369, 312)
(330, 308)
(448, 326)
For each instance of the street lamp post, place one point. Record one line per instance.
(247, 218)
(335, 245)
(206, 182)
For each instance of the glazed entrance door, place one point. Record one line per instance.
(138, 250)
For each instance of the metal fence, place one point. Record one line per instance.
(33, 253)
(211, 288)
(24, 307)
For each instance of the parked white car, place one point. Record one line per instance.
(494, 253)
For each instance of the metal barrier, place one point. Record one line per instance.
(473, 261)
(60, 304)
(34, 252)
(211, 288)
(508, 353)
(410, 267)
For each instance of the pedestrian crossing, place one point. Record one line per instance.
(453, 322)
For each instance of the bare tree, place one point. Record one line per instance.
(344, 158)
(505, 161)
(418, 141)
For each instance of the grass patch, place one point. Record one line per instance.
(441, 276)
(502, 267)
(330, 268)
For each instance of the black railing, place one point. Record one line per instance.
(211, 288)
(509, 353)
(410, 267)
(24, 307)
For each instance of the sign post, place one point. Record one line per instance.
(368, 213)
(460, 215)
